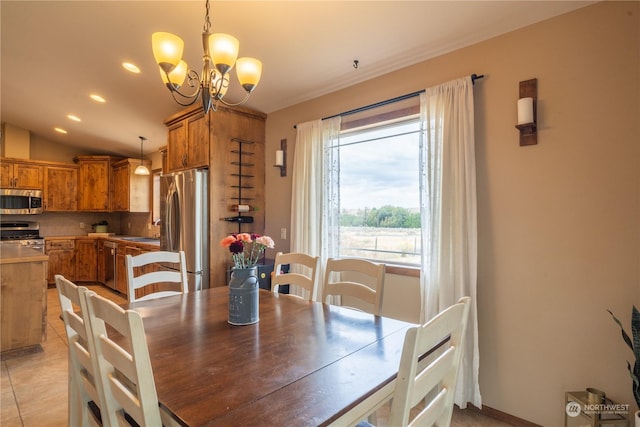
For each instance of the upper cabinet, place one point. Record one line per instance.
(188, 140)
(61, 188)
(93, 182)
(24, 175)
(130, 192)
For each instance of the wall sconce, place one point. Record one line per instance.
(527, 112)
(281, 158)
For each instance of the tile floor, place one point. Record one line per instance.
(34, 386)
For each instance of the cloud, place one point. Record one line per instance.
(379, 173)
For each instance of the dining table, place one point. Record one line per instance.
(304, 363)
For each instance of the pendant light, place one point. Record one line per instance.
(142, 169)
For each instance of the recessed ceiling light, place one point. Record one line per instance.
(74, 118)
(97, 98)
(60, 130)
(131, 67)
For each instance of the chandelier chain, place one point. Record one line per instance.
(207, 21)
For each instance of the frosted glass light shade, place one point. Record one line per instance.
(167, 50)
(249, 71)
(223, 49)
(141, 170)
(176, 76)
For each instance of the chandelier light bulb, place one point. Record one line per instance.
(176, 76)
(249, 71)
(167, 50)
(223, 49)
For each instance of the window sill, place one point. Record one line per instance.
(402, 270)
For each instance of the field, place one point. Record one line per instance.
(399, 245)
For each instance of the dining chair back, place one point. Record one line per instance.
(85, 393)
(303, 270)
(431, 378)
(369, 293)
(124, 367)
(153, 280)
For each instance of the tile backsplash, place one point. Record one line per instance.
(69, 223)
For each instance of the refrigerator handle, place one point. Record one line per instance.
(172, 226)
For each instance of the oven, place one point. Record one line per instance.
(25, 233)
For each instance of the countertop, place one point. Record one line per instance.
(133, 240)
(13, 254)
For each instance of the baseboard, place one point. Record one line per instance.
(502, 416)
(19, 352)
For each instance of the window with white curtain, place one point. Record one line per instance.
(376, 160)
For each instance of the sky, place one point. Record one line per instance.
(381, 172)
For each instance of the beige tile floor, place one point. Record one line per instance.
(34, 386)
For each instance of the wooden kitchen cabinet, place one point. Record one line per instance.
(86, 260)
(62, 256)
(61, 188)
(121, 267)
(188, 140)
(130, 192)
(23, 300)
(101, 273)
(23, 175)
(94, 180)
(149, 268)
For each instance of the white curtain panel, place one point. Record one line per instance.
(448, 214)
(308, 183)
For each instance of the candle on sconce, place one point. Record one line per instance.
(279, 158)
(525, 110)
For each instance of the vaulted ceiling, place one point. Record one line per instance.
(55, 53)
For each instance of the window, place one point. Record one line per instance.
(379, 198)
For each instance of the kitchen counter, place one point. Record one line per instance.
(23, 302)
(11, 253)
(137, 240)
(152, 242)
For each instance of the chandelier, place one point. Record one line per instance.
(219, 57)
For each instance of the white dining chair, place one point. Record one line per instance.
(154, 282)
(85, 393)
(124, 367)
(303, 270)
(435, 380)
(357, 279)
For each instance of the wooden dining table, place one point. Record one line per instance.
(303, 364)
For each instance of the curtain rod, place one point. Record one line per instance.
(474, 77)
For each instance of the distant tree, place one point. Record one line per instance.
(384, 217)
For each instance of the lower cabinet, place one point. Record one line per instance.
(86, 260)
(101, 276)
(23, 304)
(149, 268)
(121, 267)
(62, 257)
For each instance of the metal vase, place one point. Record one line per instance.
(243, 296)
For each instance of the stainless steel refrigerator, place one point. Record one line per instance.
(184, 223)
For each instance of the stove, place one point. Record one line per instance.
(26, 233)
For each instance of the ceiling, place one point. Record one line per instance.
(55, 53)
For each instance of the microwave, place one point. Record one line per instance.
(20, 202)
